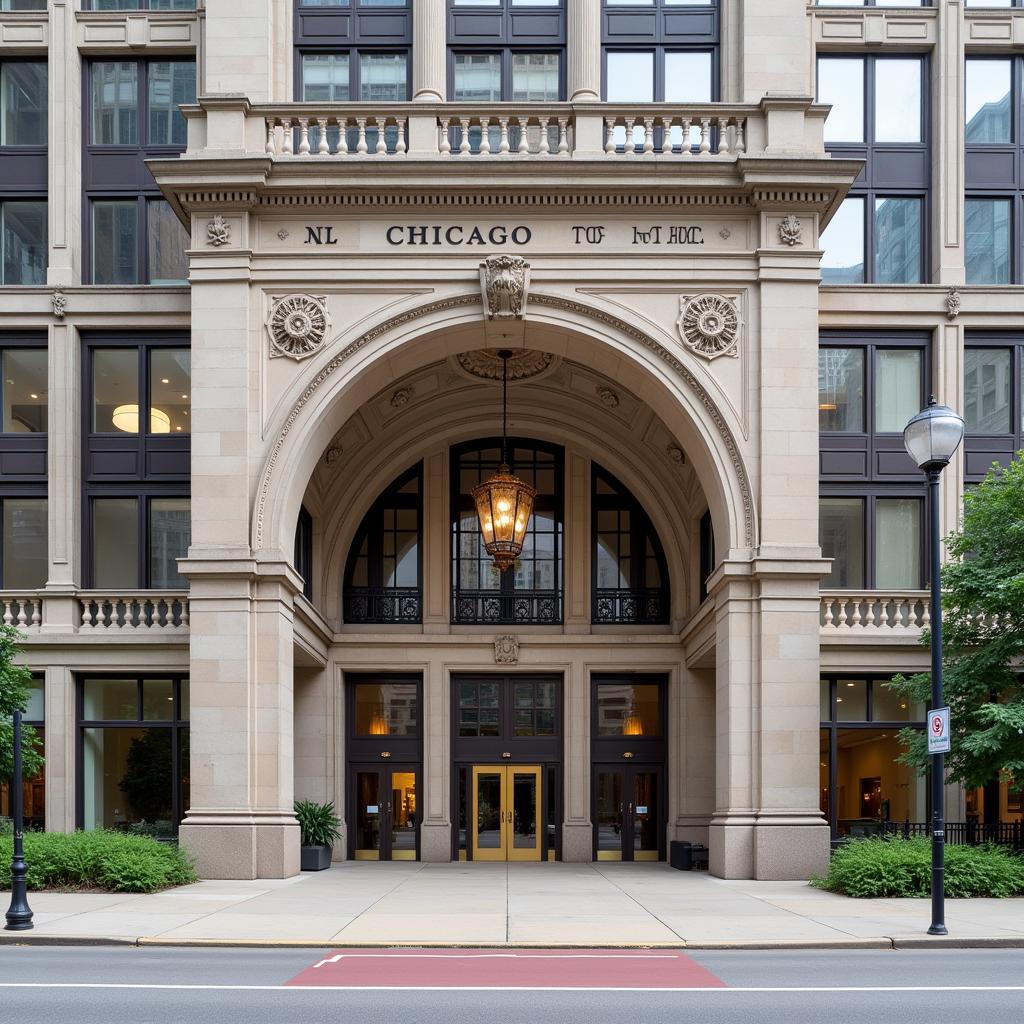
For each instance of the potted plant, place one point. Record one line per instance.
(318, 827)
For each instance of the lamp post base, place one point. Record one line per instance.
(938, 929)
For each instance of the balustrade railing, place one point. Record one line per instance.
(157, 610)
(337, 134)
(22, 610)
(699, 134)
(879, 610)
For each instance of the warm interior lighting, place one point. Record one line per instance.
(827, 406)
(126, 418)
(379, 723)
(632, 726)
(504, 503)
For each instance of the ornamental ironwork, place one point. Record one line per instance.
(298, 325)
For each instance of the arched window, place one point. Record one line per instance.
(530, 591)
(629, 576)
(384, 571)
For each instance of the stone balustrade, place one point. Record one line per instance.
(22, 610)
(136, 611)
(877, 611)
(700, 133)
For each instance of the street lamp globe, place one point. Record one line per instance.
(933, 436)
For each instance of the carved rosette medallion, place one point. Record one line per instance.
(504, 282)
(709, 325)
(297, 325)
(506, 650)
(485, 364)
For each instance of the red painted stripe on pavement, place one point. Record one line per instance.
(512, 968)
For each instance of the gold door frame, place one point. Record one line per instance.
(507, 850)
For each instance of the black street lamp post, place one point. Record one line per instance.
(931, 439)
(19, 914)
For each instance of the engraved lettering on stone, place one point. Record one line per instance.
(607, 396)
(506, 650)
(504, 282)
(791, 231)
(297, 325)
(218, 231)
(401, 397)
(709, 325)
(952, 304)
(59, 302)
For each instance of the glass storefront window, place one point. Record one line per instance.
(110, 700)
(170, 384)
(25, 540)
(628, 709)
(23, 384)
(386, 709)
(852, 700)
(841, 525)
(988, 376)
(158, 700)
(888, 706)
(841, 390)
(825, 697)
(23, 242)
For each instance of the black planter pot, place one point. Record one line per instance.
(315, 858)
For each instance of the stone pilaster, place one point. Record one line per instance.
(239, 49)
(948, 102)
(577, 831)
(774, 47)
(436, 570)
(429, 56)
(577, 548)
(59, 711)
(436, 830)
(583, 36)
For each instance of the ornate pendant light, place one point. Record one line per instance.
(504, 503)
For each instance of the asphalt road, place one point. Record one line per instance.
(111, 985)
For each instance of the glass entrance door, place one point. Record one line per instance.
(506, 812)
(385, 813)
(627, 814)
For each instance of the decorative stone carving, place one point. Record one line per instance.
(676, 454)
(283, 233)
(59, 302)
(504, 282)
(709, 325)
(486, 364)
(506, 650)
(297, 325)
(333, 454)
(952, 304)
(791, 231)
(218, 231)
(401, 397)
(725, 234)
(607, 396)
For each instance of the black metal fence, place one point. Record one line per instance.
(960, 833)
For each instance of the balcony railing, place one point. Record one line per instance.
(22, 610)
(137, 611)
(640, 607)
(877, 611)
(371, 605)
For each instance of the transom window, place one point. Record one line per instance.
(530, 591)
(630, 577)
(382, 578)
(507, 707)
(993, 386)
(879, 115)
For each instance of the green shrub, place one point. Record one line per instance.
(318, 824)
(115, 861)
(871, 868)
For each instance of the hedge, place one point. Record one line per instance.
(876, 867)
(114, 861)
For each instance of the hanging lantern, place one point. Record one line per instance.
(504, 503)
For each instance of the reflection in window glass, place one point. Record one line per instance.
(987, 239)
(115, 242)
(630, 77)
(688, 76)
(383, 77)
(841, 84)
(386, 709)
(115, 543)
(115, 103)
(897, 379)
(825, 700)
(988, 374)
(158, 700)
(115, 390)
(852, 700)
(170, 529)
(170, 384)
(987, 100)
(167, 240)
(843, 243)
(110, 700)
(841, 390)
(23, 374)
(24, 543)
(127, 777)
(888, 706)
(478, 77)
(325, 78)
(841, 526)
(628, 709)
(23, 103)
(898, 100)
(171, 83)
(535, 77)
(897, 543)
(898, 241)
(23, 241)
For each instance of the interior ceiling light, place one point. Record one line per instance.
(126, 418)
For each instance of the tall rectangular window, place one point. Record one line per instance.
(23, 103)
(115, 103)
(25, 565)
(993, 400)
(23, 386)
(115, 241)
(988, 236)
(879, 115)
(23, 241)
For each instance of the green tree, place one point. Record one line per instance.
(983, 637)
(15, 687)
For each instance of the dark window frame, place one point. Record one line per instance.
(982, 449)
(870, 190)
(652, 604)
(176, 724)
(708, 559)
(303, 561)
(354, 52)
(506, 53)
(138, 5)
(377, 596)
(507, 593)
(23, 451)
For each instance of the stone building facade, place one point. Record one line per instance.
(283, 244)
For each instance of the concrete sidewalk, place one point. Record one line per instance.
(359, 903)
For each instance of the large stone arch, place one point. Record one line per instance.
(368, 363)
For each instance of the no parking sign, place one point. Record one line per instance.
(938, 731)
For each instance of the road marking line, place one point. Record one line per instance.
(499, 956)
(500, 988)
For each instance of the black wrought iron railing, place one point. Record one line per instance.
(521, 607)
(646, 607)
(369, 605)
(961, 833)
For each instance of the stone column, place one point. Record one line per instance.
(436, 830)
(583, 36)
(59, 711)
(64, 139)
(948, 98)
(429, 51)
(577, 830)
